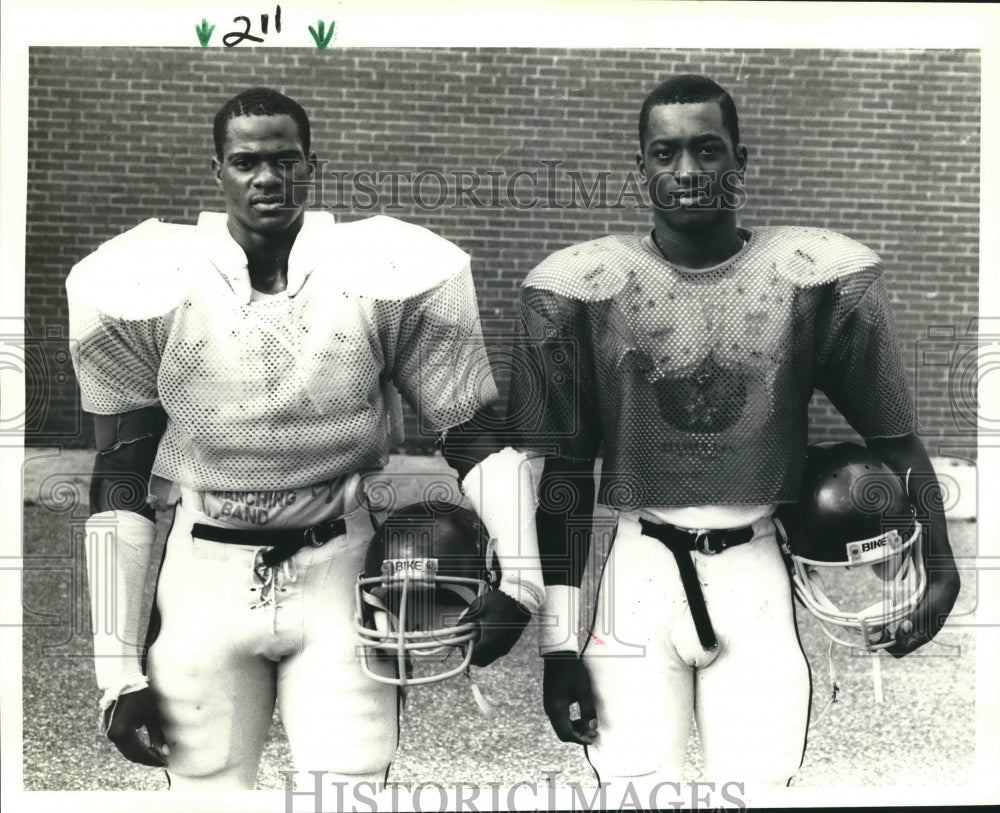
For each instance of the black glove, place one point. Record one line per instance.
(566, 682)
(501, 621)
(929, 615)
(124, 718)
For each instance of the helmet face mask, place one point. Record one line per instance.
(855, 546)
(425, 566)
(840, 595)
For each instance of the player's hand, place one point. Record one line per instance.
(929, 615)
(567, 682)
(128, 714)
(501, 621)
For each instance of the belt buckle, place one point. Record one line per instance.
(702, 543)
(309, 534)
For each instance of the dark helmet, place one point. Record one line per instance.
(425, 565)
(853, 510)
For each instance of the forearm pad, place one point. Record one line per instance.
(559, 620)
(119, 548)
(503, 491)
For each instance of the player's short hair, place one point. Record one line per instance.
(690, 88)
(260, 102)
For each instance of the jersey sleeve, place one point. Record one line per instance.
(439, 359)
(120, 299)
(859, 363)
(116, 363)
(552, 404)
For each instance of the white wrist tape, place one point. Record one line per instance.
(503, 491)
(119, 546)
(559, 621)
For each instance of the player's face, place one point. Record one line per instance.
(263, 173)
(690, 165)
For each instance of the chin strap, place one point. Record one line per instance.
(877, 676)
(486, 708)
(834, 686)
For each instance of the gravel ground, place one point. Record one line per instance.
(921, 736)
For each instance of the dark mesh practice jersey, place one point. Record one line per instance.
(289, 390)
(696, 382)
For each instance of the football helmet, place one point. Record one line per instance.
(425, 565)
(854, 536)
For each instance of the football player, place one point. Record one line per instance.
(687, 356)
(242, 375)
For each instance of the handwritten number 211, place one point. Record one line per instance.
(236, 37)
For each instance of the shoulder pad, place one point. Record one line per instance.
(140, 274)
(809, 257)
(149, 232)
(588, 272)
(385, 258)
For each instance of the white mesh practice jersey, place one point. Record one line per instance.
(697, 382)
(288, 390)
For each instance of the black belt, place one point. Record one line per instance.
(283, 544)
(680, 543)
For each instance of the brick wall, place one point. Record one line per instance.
(883, 146)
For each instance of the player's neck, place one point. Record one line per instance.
(269, 275)
(267, 257)
(703, 248)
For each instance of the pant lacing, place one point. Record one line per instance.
(270, 579)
